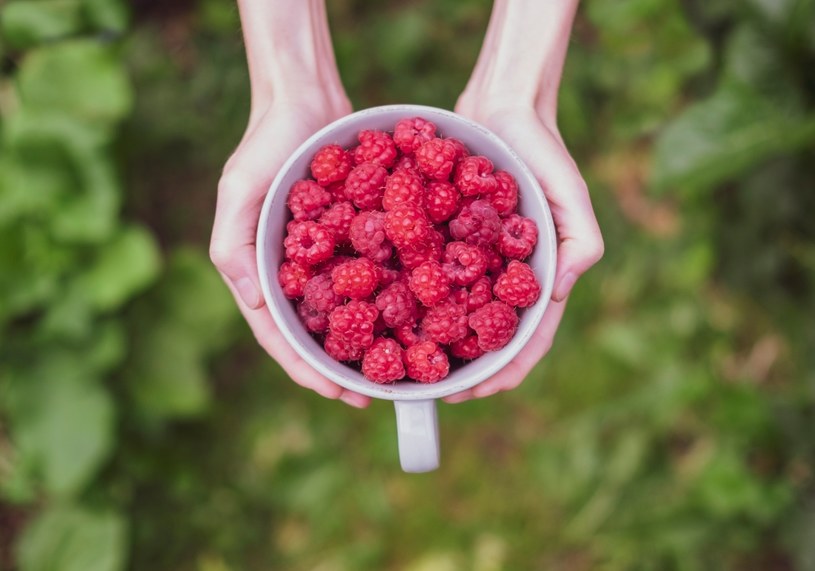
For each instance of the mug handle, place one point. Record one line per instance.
(417, 425)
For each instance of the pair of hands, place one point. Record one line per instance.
(277, 128)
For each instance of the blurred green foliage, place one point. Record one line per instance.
(671, 428)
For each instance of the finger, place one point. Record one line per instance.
(456, 398)
(539, 345)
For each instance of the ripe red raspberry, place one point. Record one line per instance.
(308, 243)
(376, 147)
(330, 164)
(429, 284)
(339, 350)
(382, 362)
(474, 176)
(505, 197)
(431, 250)
(365, 186)
(479, 294)
(463, 263)
(409, 134)
(397, 304)
(337, 191)
(307, 200)
(387, 275)
(518, 237)
(440, 200)
(293, 277)
(426, 362)
(406, 226)
(353, 323)
(466, 348)
(495, 261)
(338, 219)
(477, 223)
(409, 334)
(436, 158)
(495, 325)
(403, 186)
(356, 279)
(518, 286)
(461, 149)
(315, 321)
(445, 323)
(406, 162)
(331, 263)
(319, 293)
(368, 237)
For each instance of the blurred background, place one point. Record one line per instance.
(672, 427)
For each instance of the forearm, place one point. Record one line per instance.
(521, 61)
(289, 51)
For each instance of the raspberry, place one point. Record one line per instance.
(461, 149)
(477, 223)
(409, 334)
(474, 176)
(356, 279)
(309, 243)
(397, 304)
(518, 286)
(406, 226)
(505, 197)
(337, 219)
(387, 276)
(441, 201)
(411, 258)
(367, 233)
(436, 158)
(293, 277)
(307, 200)
(495, 324)
(353, 324)
(495, 262)
(426, 362)
(479, 294)
(375, 147)
(463, 263)
(406, 162)
(331, 263)
(518, 237)
(365, 185)
(409, 134)
(330, 164)
(445, 323)
(403, 186)
(337, 191)
(315, 321)
(466, 348)
(340, 350)
(429, 284)
(319, 293)
(382, 362)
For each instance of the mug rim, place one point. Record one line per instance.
(407, 391)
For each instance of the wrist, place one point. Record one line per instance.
(289, 53)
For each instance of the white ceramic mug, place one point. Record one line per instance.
(416, 416)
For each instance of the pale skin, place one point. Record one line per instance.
(512, 90)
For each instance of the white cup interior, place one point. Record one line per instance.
(275, 214)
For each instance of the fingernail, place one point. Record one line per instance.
(565, 286)
(352, 399)
(248, 292)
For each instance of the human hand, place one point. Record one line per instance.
(513, 91)
(293, 96)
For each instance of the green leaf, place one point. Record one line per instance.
(25, 23)
(124, 266)
(81, 78)
(71, 538)
(107, 14)
(724, 136)
(63, 423)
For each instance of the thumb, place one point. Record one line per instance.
(232, 248)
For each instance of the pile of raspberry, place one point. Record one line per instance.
(405, 253)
